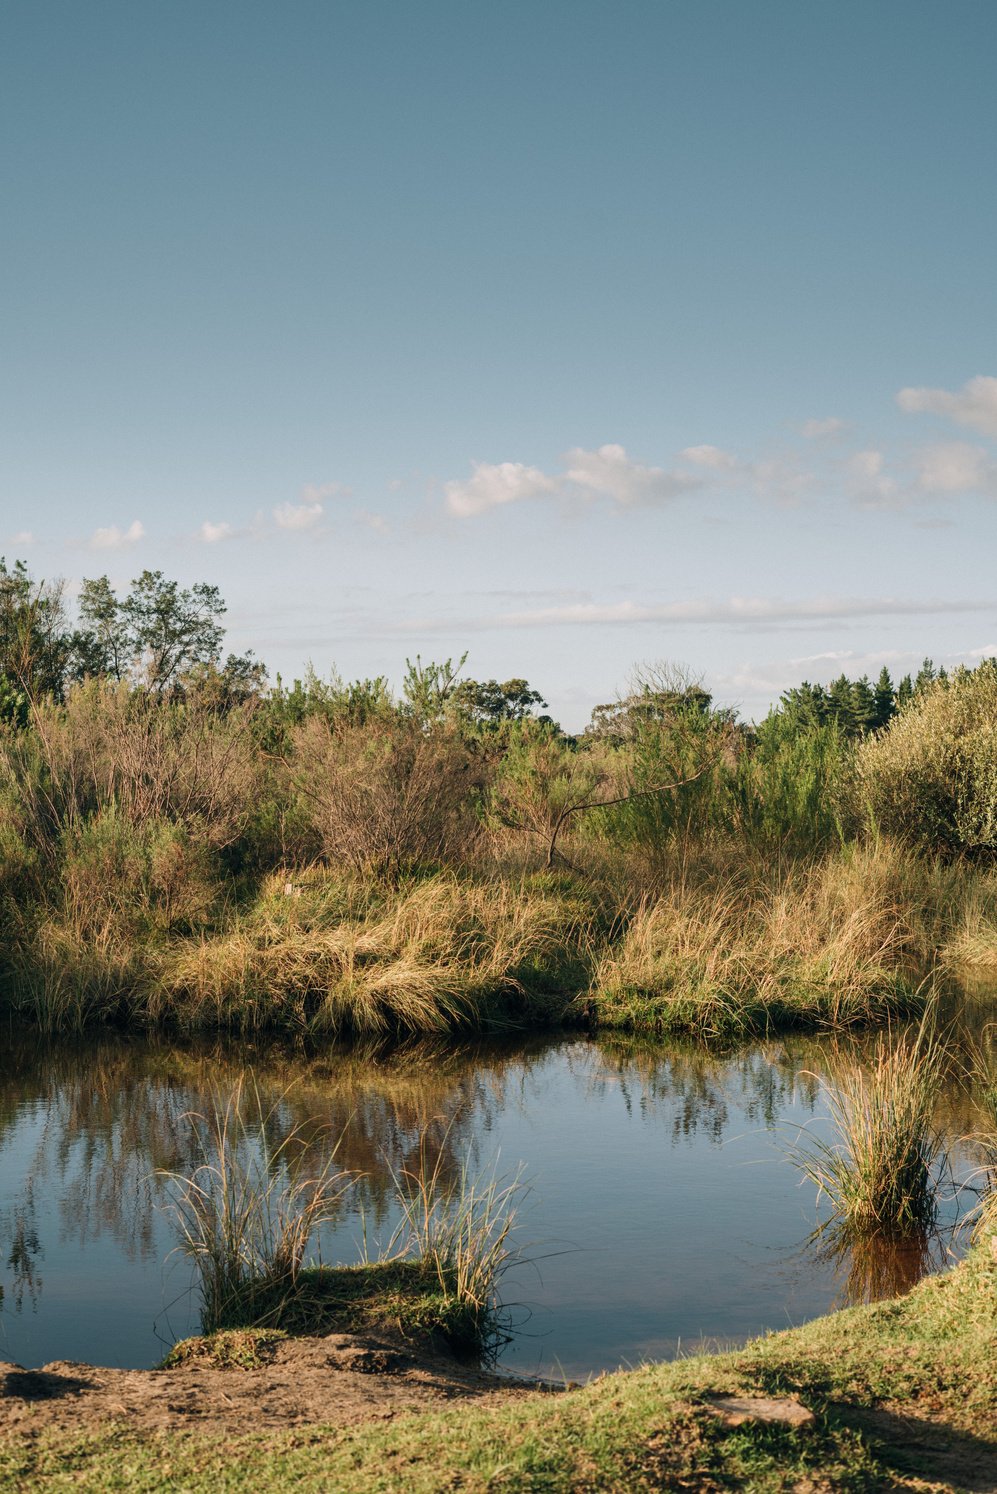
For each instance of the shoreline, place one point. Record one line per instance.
(899, 1394)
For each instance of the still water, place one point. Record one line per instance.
(662, 1211)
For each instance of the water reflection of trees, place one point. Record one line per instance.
(702, 1086)
(118, 1112)
(113, 1113)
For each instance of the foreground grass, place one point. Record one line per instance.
(904, 1394)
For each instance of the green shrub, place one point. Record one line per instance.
(931, 777)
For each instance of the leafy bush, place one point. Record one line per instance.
(931, 777)
(389, 796)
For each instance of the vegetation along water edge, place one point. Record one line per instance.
(184, 845)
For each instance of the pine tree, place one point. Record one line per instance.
(886, 704)
(863, 704)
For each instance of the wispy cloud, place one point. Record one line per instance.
(870, 483)
(213, 534)
(713, 457)
(377, 522)
(608, 472)
(604, 472)
(739, 610)
(975, 404)
(956, 467)
(321, 492)
(818, 430)
(23, 538)
(817, 463)
(759, 613)
(114, 538)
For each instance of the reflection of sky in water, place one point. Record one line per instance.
(662, 1211)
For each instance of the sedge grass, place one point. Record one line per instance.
(247, 1213)
(880, 1172)
(811, 946)
(461, 1227)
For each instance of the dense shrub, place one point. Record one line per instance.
(931, 777)
(389, 796)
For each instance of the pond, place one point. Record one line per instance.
(662, 1211)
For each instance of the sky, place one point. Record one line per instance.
(577, 336)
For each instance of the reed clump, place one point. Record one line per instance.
(434, 955)
(248, 1212)
(460, 1228)
(879, 1173)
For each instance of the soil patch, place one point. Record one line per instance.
(339, 1379)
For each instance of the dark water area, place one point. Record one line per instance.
(662, 1210)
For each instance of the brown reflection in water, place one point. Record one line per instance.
(118, 1112)
(875, 1267)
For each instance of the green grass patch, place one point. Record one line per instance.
(903, 1393)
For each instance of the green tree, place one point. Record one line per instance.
(34, 639)
(885, 700)
(158, 633)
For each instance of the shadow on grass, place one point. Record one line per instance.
(913, 1445)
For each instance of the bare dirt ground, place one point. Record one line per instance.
(339, 1379)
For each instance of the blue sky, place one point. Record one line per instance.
(574, 335)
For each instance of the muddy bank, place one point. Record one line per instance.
(339, 1379)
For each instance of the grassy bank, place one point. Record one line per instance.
(728, 949)
(904, 1395)
(401, 1297)
(339, 861)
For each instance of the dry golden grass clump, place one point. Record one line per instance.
(817, 944)
(438, 954)
(879, 1172)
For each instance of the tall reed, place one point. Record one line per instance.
(246, 1214)
(461, 1227)
(879, 1174)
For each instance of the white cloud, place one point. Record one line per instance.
(377, 522)
(490, 486)
(815, 430)
(319, 492)
(975, 404)
(610, 473)
(22, 537)
(298, 515)
(738, 610)
(780, 479)
(708, 456)
(113, 538)
(871, 484)
(758, 614)
(956, 467)
(212, 534)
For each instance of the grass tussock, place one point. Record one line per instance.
(439, 954)
(460, 1229)
(314, 951)
(247, 1214)
(880, 1172)
(817, 945)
